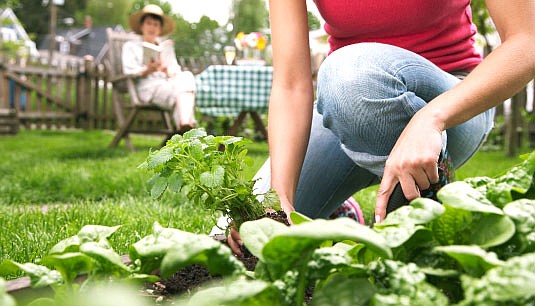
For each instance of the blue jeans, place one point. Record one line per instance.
(366, 95)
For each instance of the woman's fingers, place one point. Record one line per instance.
(234, 241)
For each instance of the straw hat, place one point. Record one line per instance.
(135, 19)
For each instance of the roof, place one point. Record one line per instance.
(85, 41)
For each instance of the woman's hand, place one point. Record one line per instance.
(234, 240)
(413, 162)
(152, 67)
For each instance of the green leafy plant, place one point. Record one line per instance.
(207, 170)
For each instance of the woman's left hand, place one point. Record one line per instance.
(413, 162)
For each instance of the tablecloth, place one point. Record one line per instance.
(227, 90)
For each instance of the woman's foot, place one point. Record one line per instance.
(350, 209)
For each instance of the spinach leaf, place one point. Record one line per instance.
(474, 260)
(511, 283)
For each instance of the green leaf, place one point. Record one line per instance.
(523, 214)
(255, 234)
(196, 149)
(150, 250)
(40, 276)
(457, 226)
(90, 233)
(474, 260)
(396, 236)
(326, 260)
(141, 278)
(107, 259)
(287, 247)
(160, 157)
(238, 293)
(298, 218)
(71, 244)
(195, 133)
(175, 182)
(203, 250)
(453, 226)
(158, 184)
(420, 211)
(214, 178)
(461, 195)
(344, 291)
(513, 281)
(70, 265)
(491, 230)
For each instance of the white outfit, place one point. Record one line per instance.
(157, 88)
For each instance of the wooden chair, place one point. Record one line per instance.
(126, 103)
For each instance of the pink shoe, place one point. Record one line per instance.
(351, 209)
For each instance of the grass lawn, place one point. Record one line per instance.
(54, 182)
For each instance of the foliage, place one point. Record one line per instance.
(35, 15)
(249, 16)
(313, 22)
(481, 18)
(9, 3)
(105, 13)
(199, 38)
(208, 171)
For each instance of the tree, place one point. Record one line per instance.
(313, 22)
(9, 3)
(106, 13)
(35, 14)
(249, 16)
(481, 18)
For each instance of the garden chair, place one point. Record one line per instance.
(126, 103)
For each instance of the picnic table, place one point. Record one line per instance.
(235, 91)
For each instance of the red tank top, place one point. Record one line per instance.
(439, 30)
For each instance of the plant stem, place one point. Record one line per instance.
(302, 282)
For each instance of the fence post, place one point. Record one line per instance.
(9, 121)
(84, 101)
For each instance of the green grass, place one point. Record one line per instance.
(54, 182)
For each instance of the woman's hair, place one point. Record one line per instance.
(152, 16)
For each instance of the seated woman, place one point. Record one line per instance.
(162, 81)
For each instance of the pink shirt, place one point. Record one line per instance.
(439, 30)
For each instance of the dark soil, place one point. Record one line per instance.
(193, 277)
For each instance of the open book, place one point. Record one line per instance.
(164, 51)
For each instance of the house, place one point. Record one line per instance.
(81, 42)
(12, 30)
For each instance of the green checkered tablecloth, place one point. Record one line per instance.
(228, 90)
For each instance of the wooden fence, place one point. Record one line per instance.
(71, 94)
